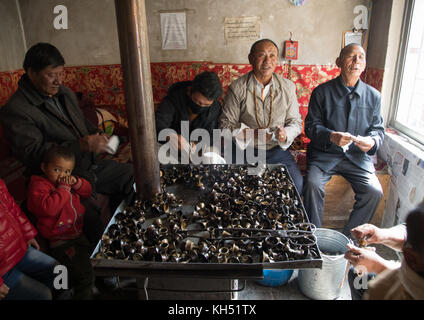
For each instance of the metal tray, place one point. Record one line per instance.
(190, 197)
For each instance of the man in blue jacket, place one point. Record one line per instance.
(345, 128)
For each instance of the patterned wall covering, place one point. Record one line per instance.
(374, 77)
(105, 85)
(8, 84)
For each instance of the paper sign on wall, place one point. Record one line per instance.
(242, 28)
(174, 30)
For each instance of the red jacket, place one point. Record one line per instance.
(59, 211)
(15, 232)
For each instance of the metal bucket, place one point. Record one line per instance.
(325, 283)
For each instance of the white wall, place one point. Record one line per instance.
(92, 35)
(318, 26)
(12, 50)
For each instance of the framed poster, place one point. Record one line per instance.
(355, 36)
(291, 50)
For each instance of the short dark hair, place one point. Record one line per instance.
(41, 56)
(253, 47)
(208, 84)
(415, 228)
(57, 151)
(344, 49)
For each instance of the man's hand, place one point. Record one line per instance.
(340, 138)
(33, 243)
(365, 144)
(281, 134)
(393, 237)
(367, 258)
(4, 290)
(94, 143)
(367, 231)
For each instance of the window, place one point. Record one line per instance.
(408, 95)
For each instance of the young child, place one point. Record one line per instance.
(54, 199)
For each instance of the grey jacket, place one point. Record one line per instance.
(31, 126)
(239, 107)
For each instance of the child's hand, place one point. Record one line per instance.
(33, 243)
(4, 290)
(71, 180)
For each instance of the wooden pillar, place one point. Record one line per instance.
(134, 47)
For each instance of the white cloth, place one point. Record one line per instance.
(112, 144)
(212, 158)
(239, 137)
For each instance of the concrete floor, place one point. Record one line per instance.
(289, 291)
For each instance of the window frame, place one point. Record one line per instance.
(399, 73)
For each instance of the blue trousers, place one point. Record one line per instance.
(367, 188)
(32, 278)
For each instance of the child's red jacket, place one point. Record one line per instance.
(58, 209)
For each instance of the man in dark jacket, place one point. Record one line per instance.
(42, 113)
(345, 128)
(193, 103)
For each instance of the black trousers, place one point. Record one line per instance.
(115, 180)
(75, 255)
